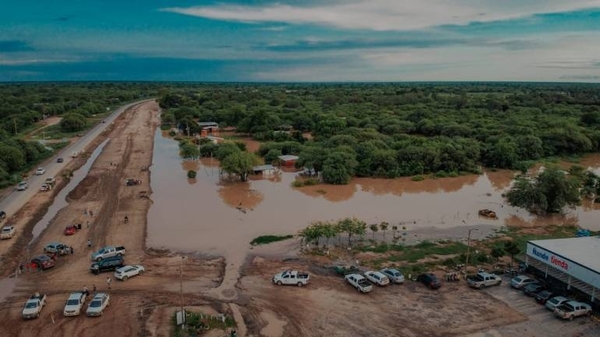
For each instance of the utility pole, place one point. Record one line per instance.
(469, 248)
(181, 293)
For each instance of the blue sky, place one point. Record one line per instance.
(301, 41)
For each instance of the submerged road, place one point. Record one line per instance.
(13, 201)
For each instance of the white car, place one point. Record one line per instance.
(74, 304)
(359, 282)
(98, 304)
(8, 232)
(40, 171)
(126, 272)
(377, 278)
(394, 275)
(22, 186)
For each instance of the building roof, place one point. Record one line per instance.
(288, 157)
(583, 250)
(208, 123)
(263, 168)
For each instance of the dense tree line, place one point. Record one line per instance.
(23, 105)
(391, 130)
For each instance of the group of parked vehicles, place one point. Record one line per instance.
(364, 282)
(561, 306)
(73, 305)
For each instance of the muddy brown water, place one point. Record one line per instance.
(216, 216)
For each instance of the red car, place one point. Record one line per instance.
(70, 230)
(43, 261)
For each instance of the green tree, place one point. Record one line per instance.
(497, 253)
(339, 168)
(240, 163)
(549, 192)
(374, 229)
(512, 249)
(13, 157)
(189, 151)
(313, 157)
(384, 227)
(73, 122)
(226, 149)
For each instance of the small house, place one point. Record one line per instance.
(266, 170)
(209, 128)
(288, 160)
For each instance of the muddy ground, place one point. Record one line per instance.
(144, 305)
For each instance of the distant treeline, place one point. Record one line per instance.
(391, 130)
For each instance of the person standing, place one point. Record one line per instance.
(89, 243)
(94, 289)
(86, 291)
(126, 219)
(108, 280)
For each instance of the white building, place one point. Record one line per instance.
(574, 261)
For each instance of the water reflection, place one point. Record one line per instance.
(239, 195)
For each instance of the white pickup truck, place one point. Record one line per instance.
(359, 282)
(34, 306)
(572, 309)
(108, 251)
(291, 277)
(7, 232)
(482, 280)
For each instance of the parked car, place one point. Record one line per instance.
(98, 304)
(394, 275)
(74, 304)
(533, 288)
(33, 307)
(108, 251)
(59, 160)
(377, 278)
(521, 281)
(43, 262)
(359, 282)
(23, 185)
(54, 247)
(291, 277)
(2, 215)
(543, 296)
(429, 280)
(127, 272)
(110, 264)
(50, 181)
(40, 171)
(70, 230)
(555, 302)
(482, 280)
(572, 309)
(7, 232)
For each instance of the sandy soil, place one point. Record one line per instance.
(144, 305)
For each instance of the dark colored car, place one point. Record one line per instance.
(59, 160)
(543, 296)
(429, 280)
(43, 261)
(2, 215)
(108, 264)
(533, 288)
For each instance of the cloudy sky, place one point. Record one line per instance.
(301, 40)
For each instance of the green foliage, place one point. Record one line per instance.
(418, 177)
(339, 167)
(226, 149)
(189, 151)
(549, 192)
(191, 174)
(239, 163)
(511, 248)
(73, 122)
(497, 252)
(266, 239)
(305, 182)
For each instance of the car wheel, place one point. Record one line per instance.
(482, 286)
(125, 278)
(299, 284)
(571, 318)
(278, 283)
(98, 259)
(589, 313)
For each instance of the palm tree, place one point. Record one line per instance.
(395, 229)
(374, 228)
(384, 226)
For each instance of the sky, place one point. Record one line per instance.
(300, 41)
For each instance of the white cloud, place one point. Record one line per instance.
(388, 14)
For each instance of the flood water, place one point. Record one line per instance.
(211, 216)
(60, 201)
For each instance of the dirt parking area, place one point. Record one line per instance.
(541, 322)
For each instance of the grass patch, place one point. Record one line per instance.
(305, 182)
(418, 177)
(266, 239)
(417, 252)
(195, 323)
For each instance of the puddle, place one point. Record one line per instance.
(60, 201)
(7, 286)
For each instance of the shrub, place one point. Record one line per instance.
(418, 177)
(191, 174)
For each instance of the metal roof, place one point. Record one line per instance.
(288, 157)
(208, 124)
(263, 168)
(583, 251)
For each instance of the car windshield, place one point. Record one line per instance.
(96, 304)
(363, 282)
(5, 230)
(31, 305)
(72, 302)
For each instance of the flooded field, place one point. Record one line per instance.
(208, 215)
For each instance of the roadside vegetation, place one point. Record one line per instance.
(198, 324)
(23, 106)
(392, 130)
(266, 239)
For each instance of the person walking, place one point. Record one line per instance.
(91, 213)
(88, 224)
(108, 280)
(89, 243)
(86, 291)
(126, 219)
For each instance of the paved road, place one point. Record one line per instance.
(541, 323)
(13, 201)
